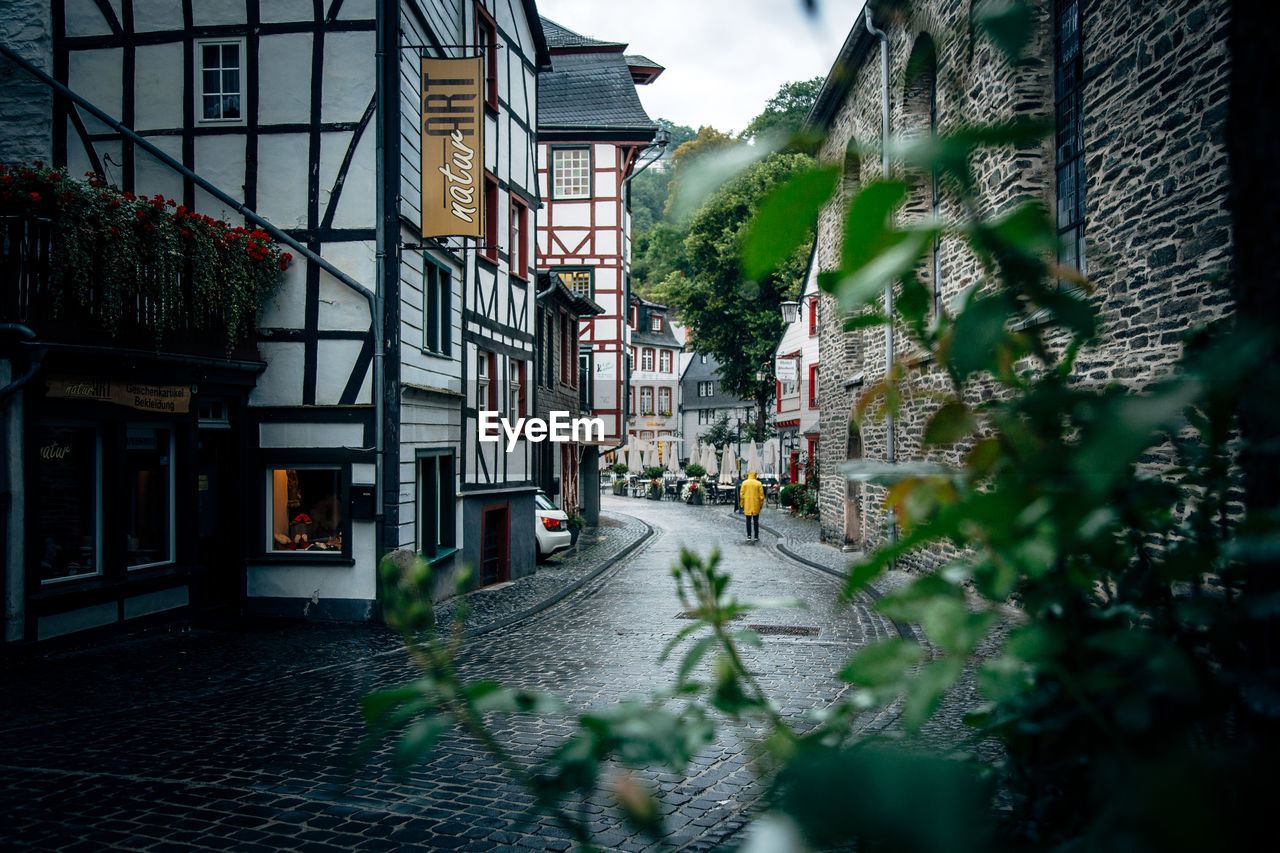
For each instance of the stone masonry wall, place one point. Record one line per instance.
(25, 103)
(1156, 230)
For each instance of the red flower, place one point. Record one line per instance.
(302, 518)
(34, 196)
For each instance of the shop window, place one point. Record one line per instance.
(148, 496)
(571, 173)
(438, 314)
(436, 505)
(221, 81)
(306, 509)
(68, 524)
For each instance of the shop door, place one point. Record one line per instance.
(495, 546)
(219, 524)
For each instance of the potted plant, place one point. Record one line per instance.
(620, 482)
(694, 470)
(576, 523)
(692, 493)
(792, 496)
(654, 475)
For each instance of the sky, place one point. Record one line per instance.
(724, 59)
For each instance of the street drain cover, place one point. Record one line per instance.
(786, 630)
(688, 614)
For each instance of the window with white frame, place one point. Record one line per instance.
(221, 81)
(631, 358)
(305, 509)
(515, 389)
(706, 389)
(655, 323)
(436, 504)
(646, 401)
(571, 173)
(664, 401)
(646, 359)
(664, 360)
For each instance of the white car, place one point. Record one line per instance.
(552, 527)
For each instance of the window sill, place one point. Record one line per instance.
(287, 558)
(444, 555)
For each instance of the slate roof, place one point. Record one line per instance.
(589, 87)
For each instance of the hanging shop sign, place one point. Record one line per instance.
(452, 147)
(787, 368)
(167, 399)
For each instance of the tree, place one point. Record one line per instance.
(785, 112)
(707, 141)
(729, 316)
(649, 189)
(656, 255)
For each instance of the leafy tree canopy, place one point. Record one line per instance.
(733, 318)
(785, 112)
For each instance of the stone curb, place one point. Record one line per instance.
(568, 589)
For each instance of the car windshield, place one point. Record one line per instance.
(543, 501)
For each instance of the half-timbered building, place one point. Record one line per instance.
(592, 133)
(347, 427)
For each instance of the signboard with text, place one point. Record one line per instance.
(168, 399)
(452, 147)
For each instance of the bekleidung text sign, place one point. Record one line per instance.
(452, 147)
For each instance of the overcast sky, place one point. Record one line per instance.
(724, 58)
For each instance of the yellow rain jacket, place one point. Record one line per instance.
(751, 495)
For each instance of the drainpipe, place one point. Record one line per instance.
(890, 454)
(387, 266)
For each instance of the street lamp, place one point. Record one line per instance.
(790, 311)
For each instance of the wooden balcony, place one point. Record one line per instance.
(80, 312)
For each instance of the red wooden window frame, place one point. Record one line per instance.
(487, 41)
(813, 386)
(777, 394)
(813, 316)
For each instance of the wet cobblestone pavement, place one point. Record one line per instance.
(241, 741)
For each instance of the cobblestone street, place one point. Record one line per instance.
(241, 740)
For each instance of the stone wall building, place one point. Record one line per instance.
(1136, 175)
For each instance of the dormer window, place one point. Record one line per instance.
(655, 323)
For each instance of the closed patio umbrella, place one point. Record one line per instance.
(709, 462)
(728, 466)
(673, 460)
(751, 460)
(771, 456)
(635, 456)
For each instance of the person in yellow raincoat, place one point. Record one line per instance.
(751, 496)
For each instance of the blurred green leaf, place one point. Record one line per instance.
(888, 473)
(865, 320)
(952, 422)
(694, 656)
(979, 328)
(884, 662)
(1009, 23)
(867, 229)
(785, 219)
(419, 738)
(900, 254)
(926, 689)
